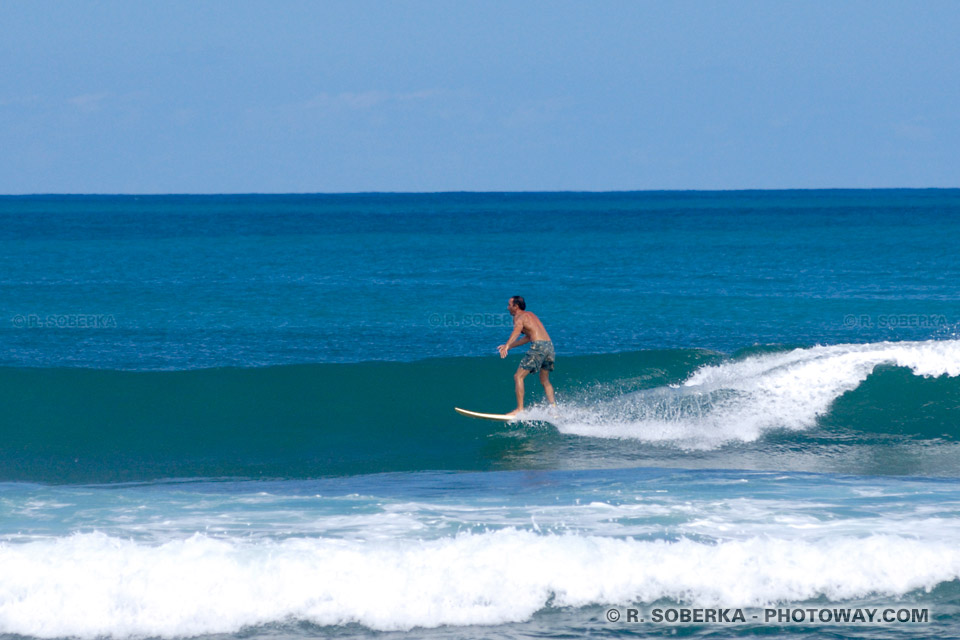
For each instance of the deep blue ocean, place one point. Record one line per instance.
(232, 416)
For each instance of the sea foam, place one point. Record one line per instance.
(91, 584)
(740, 400)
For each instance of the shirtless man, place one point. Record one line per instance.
(539, 357)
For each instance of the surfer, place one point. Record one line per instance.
(539, 357)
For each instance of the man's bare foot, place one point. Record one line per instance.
(514, 412)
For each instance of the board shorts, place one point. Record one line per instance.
(539, 356)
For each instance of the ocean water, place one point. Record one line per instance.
(232, 416)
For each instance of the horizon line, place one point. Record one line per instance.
(456, 191)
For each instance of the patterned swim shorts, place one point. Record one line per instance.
(539, 356)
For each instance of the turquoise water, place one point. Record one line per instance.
(231, 416)
(198, 282)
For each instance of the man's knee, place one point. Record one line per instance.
(520, 374)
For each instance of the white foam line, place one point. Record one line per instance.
(739, 401)
(93, 585)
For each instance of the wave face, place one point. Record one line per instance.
(70, 425)
(286, 421)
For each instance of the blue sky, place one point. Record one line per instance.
(241, 97)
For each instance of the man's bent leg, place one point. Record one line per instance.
(518, 382)
(547, 387)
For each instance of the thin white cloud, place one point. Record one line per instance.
(89, 102)
(364, 100)
(913, 131)
(538, 112)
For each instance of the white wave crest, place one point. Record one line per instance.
(93, 585)
(739, 400)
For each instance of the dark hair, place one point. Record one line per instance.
(518, 300)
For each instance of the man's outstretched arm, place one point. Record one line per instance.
(512, 341)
